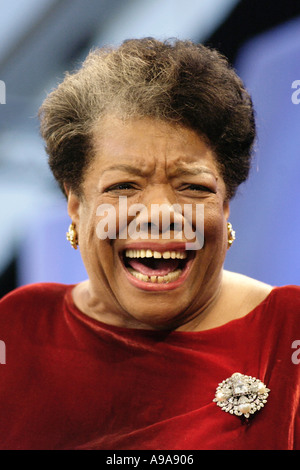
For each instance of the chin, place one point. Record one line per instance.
(157, 309)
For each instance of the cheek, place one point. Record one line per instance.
(215, 228)
(111, 221)
(87, 226)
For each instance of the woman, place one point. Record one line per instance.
(160, 348)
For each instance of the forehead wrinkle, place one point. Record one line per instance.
(133, 170)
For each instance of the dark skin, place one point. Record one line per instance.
(152, 162)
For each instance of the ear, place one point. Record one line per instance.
(226, 209)
(73, 205)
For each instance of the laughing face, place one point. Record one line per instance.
(150, 281)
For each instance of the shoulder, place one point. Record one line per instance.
(245, 291)
(32, 296)
(248, 293)
(29, 312)
(287, 298)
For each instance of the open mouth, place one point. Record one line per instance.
(156, 267)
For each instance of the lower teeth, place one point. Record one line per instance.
(171, 277)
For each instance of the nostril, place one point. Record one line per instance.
(172, 227)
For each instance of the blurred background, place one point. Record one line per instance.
(41, 39)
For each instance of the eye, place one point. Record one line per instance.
(120, 187)
(197, 187)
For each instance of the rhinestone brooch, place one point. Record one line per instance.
(241, 395)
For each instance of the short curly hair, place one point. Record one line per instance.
(175, 81)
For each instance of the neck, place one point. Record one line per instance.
(194, 318)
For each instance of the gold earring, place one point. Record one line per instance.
(230, 235)
(72, 236)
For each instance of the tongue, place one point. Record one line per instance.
(158, 267)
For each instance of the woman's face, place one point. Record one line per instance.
(143, 275)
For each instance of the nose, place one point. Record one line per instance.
(160, 214)
(158, 194)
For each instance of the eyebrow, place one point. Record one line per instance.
(180, 171)
(125, 168)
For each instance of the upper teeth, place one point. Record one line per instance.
(155, 254)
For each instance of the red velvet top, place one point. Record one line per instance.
(71, 382)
